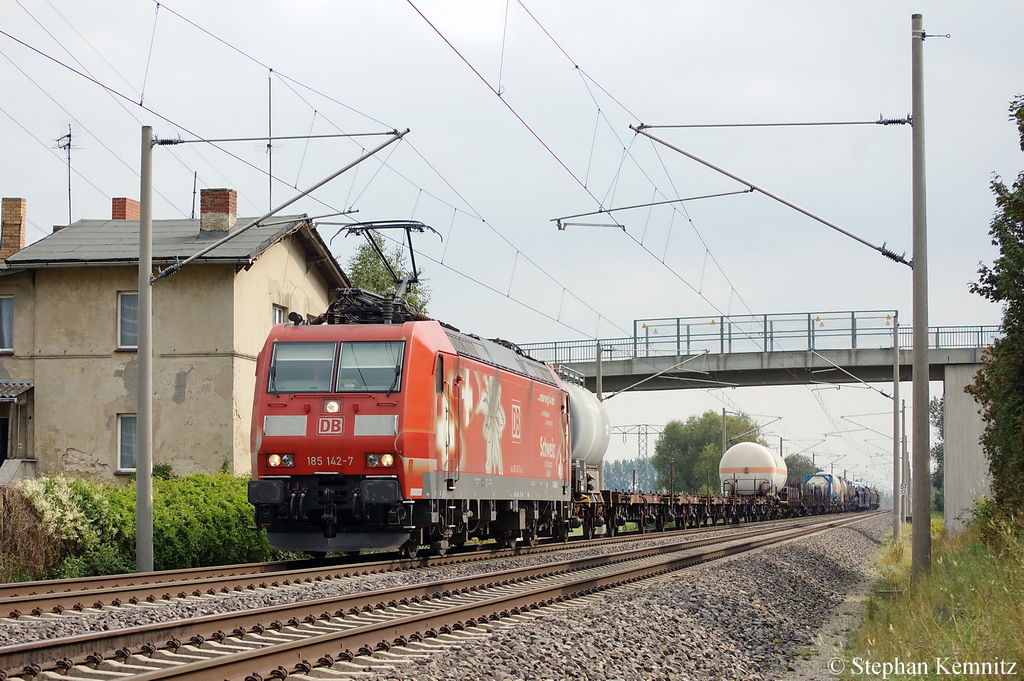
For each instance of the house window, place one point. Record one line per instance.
(128, 320)
(278, 315)
(127, 442)
(6, 324)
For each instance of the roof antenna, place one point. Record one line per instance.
(64, 143)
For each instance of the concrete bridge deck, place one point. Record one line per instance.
(749, 350)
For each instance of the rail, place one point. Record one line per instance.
(731, 334)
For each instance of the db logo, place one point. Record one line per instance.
(517, 421)
(330, 425)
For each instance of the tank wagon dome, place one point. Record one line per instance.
(590, 427)
(748, 468)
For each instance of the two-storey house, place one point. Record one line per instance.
(69, 329)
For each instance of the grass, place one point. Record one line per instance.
(968, 608)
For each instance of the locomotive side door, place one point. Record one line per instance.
(450, 395)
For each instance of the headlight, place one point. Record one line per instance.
(374, 460)
(332, 406)
(280, 460)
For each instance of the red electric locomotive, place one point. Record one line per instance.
(383, 430)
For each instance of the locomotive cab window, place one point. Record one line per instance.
(301, 367)
(371, 367)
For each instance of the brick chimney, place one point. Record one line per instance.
(217, 209)
(124, 209)
(12, 230)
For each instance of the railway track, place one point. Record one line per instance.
(78, 595)
(405, 619)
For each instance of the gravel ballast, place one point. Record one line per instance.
(748, 617)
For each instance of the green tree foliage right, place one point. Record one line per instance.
(798, 466)
(366, 271)
(999, 385)
(687, 454)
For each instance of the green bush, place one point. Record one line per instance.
(64, 527)
(202, 520)
(83, 525)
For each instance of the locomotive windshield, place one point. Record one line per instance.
(366, 367)
(371, 367)
(302, 367)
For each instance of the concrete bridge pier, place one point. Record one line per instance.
(965, 470)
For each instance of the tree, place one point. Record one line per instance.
(799, 466)
(936, 415)
(366, 271)
(999, 385)
(618, 475)
(689, 453)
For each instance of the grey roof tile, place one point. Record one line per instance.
(111, 241)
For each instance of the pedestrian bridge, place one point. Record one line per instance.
(794, 349)
(773, 349)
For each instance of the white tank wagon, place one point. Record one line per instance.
(591, 432)
(825, 486)
(844, 490)
(749, 469)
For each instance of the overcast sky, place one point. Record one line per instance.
(519, 113)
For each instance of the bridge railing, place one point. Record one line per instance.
(686, 336)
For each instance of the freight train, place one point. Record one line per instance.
(751, 469)
(375, 428)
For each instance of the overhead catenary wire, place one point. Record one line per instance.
(178, 265)
(83, 73)
(603, 211)
(626, 155)
(544, 144)
(586, 78)
(113, 91)
(518, 252)
(63, 45)
(640, 129)
(880, 121)
(515, 113)
(117, 93)
(149, 56)
(84, 127)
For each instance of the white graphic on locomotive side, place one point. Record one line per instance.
(454, 407)
(494, 421)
